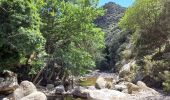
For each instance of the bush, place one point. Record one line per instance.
(166, 83)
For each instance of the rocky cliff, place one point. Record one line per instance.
(114, 36)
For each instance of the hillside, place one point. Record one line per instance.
(114, 36)
(113, 12)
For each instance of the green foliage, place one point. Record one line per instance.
(143, 19)
(19, 30)
(67, 26)
(71, 35)
(114, 36)
(166, 84)
(147, 19)
(142, 14)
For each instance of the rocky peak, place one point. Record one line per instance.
(113, 12)
(113, 8)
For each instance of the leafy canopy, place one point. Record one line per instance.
(71, 35)
(19, 30)
(142, 14)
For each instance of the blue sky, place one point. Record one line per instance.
(124, 3)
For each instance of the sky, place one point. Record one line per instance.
(124, 3)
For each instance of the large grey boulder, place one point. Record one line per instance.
(100, 83)
(80, 92)
(141, 89)
(96, 94)
(126, 69)
(120, 87)
(28, 91)
(35, 96)
(106, 94)
(8, 83)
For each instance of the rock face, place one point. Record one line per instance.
(100, 83)
(9, 83)
(81, 92)
(109, 24)
(112, 15)
(28, 91)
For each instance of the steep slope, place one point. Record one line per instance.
(149, 57)
(114, 36)
(113, 12)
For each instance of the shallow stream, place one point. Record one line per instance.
(86, 81)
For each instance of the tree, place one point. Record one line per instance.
(20, 34)
(143, 18)
(142, 14)
(148, 19)
(71, 36)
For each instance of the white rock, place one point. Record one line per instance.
(35, 96)
(126, 68)
(5, 99)
(120, 87)
(100, 83)
(106, 94)
(28, 91)
(102, 94)
(27, 87)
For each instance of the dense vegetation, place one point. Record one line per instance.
(35, 32)
(149, 42)
(140, 36)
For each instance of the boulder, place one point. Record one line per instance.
(8, 83)
(142, 84)
(141, 89)
(95, 94)
(125, 70)
(35, 96)
(120, 87)
(28, 91)
(80, 92)
(100, 83)
(5, 99)
(132, 88)
(106, 94)
(59, 89)
(147, 90)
